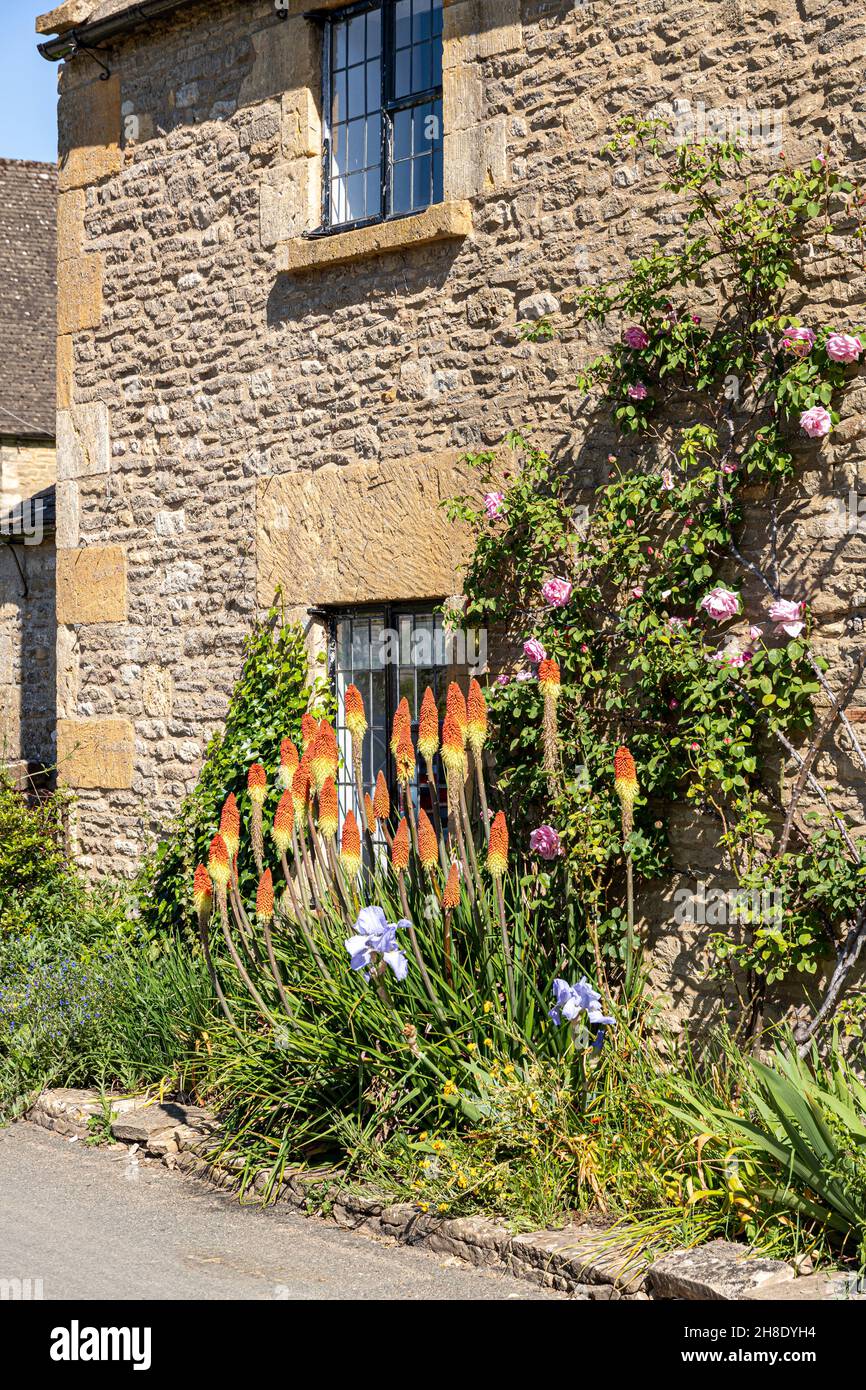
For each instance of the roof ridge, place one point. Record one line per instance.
(28, 163)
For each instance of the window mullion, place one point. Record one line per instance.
(387, 87)
(327, 98)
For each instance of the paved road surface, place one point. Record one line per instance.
(91, 1223)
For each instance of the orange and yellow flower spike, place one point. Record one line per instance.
(402, 716)
(400, 847)
(451, 896)
(455, 705)
(329, 815)
(405, 755)
(289, 760)
(497, 850)
(428, 727)
(202, 894)
(284, 815)
(354, 712)
(428, 845)
(257, 784)
(476, 728)
(381, 799)
(324, 757)
(265, 897)
(453, 754)
(230, 826)
(549, 678)
(219, 864)
(309, 729)
(625, 785)
(301, 788)
(369, 813)
(350, 846)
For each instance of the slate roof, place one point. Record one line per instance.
(28, 293)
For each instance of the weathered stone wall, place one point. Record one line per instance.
(28, 635)
(25, 469)
(239, 405)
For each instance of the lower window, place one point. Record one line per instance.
(390, 653)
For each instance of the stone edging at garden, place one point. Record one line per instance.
(583, 1260)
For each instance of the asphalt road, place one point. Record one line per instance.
(94, 1224)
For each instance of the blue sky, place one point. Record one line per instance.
(28, 85)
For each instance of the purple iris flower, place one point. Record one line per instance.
(374, 938)
(570, 1001)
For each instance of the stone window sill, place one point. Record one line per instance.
(442, 222)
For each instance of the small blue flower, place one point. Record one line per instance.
(376, 937)
(570, 1001)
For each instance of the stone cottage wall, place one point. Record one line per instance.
(241, 407)
(28, 635)
(26, 468)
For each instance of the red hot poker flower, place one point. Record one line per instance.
(230, 825)
(265, 897)
(428, 846)
(218, 865)
(477, 717)
(354, 712)
(288, 762)
(202, 893)
(455, 705)
(401, 716)
(329, 815)
(405, 755)
(350, 845)
(257, 784)
(400, 847)
(381, 799)
(283, 820)
(497, 850)
(428, 727)
(451, 896)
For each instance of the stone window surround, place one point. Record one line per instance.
(474, 151)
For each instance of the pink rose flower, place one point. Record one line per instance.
(843, 347)
(556, 592)
(755, 632)
(667, 480)
(815, 422)
(788, 616)
(637, 591)
(534, 651)
(524, 675)
(676, 623)
(729, 468)
(545, 842)
(635, 338)
(720, 603)
(494, 504)
(502, 680)
(637, 391)
(797, 340)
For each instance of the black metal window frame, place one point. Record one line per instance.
(390, 615)
(390, 105)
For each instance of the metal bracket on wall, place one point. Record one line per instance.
(91, 53)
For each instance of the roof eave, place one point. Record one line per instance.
(88, 36)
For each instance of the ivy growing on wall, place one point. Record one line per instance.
(273, 691)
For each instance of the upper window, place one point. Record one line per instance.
(383, 111)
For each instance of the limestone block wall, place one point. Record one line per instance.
(26, 467)
(28, 636)
(240, 406)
